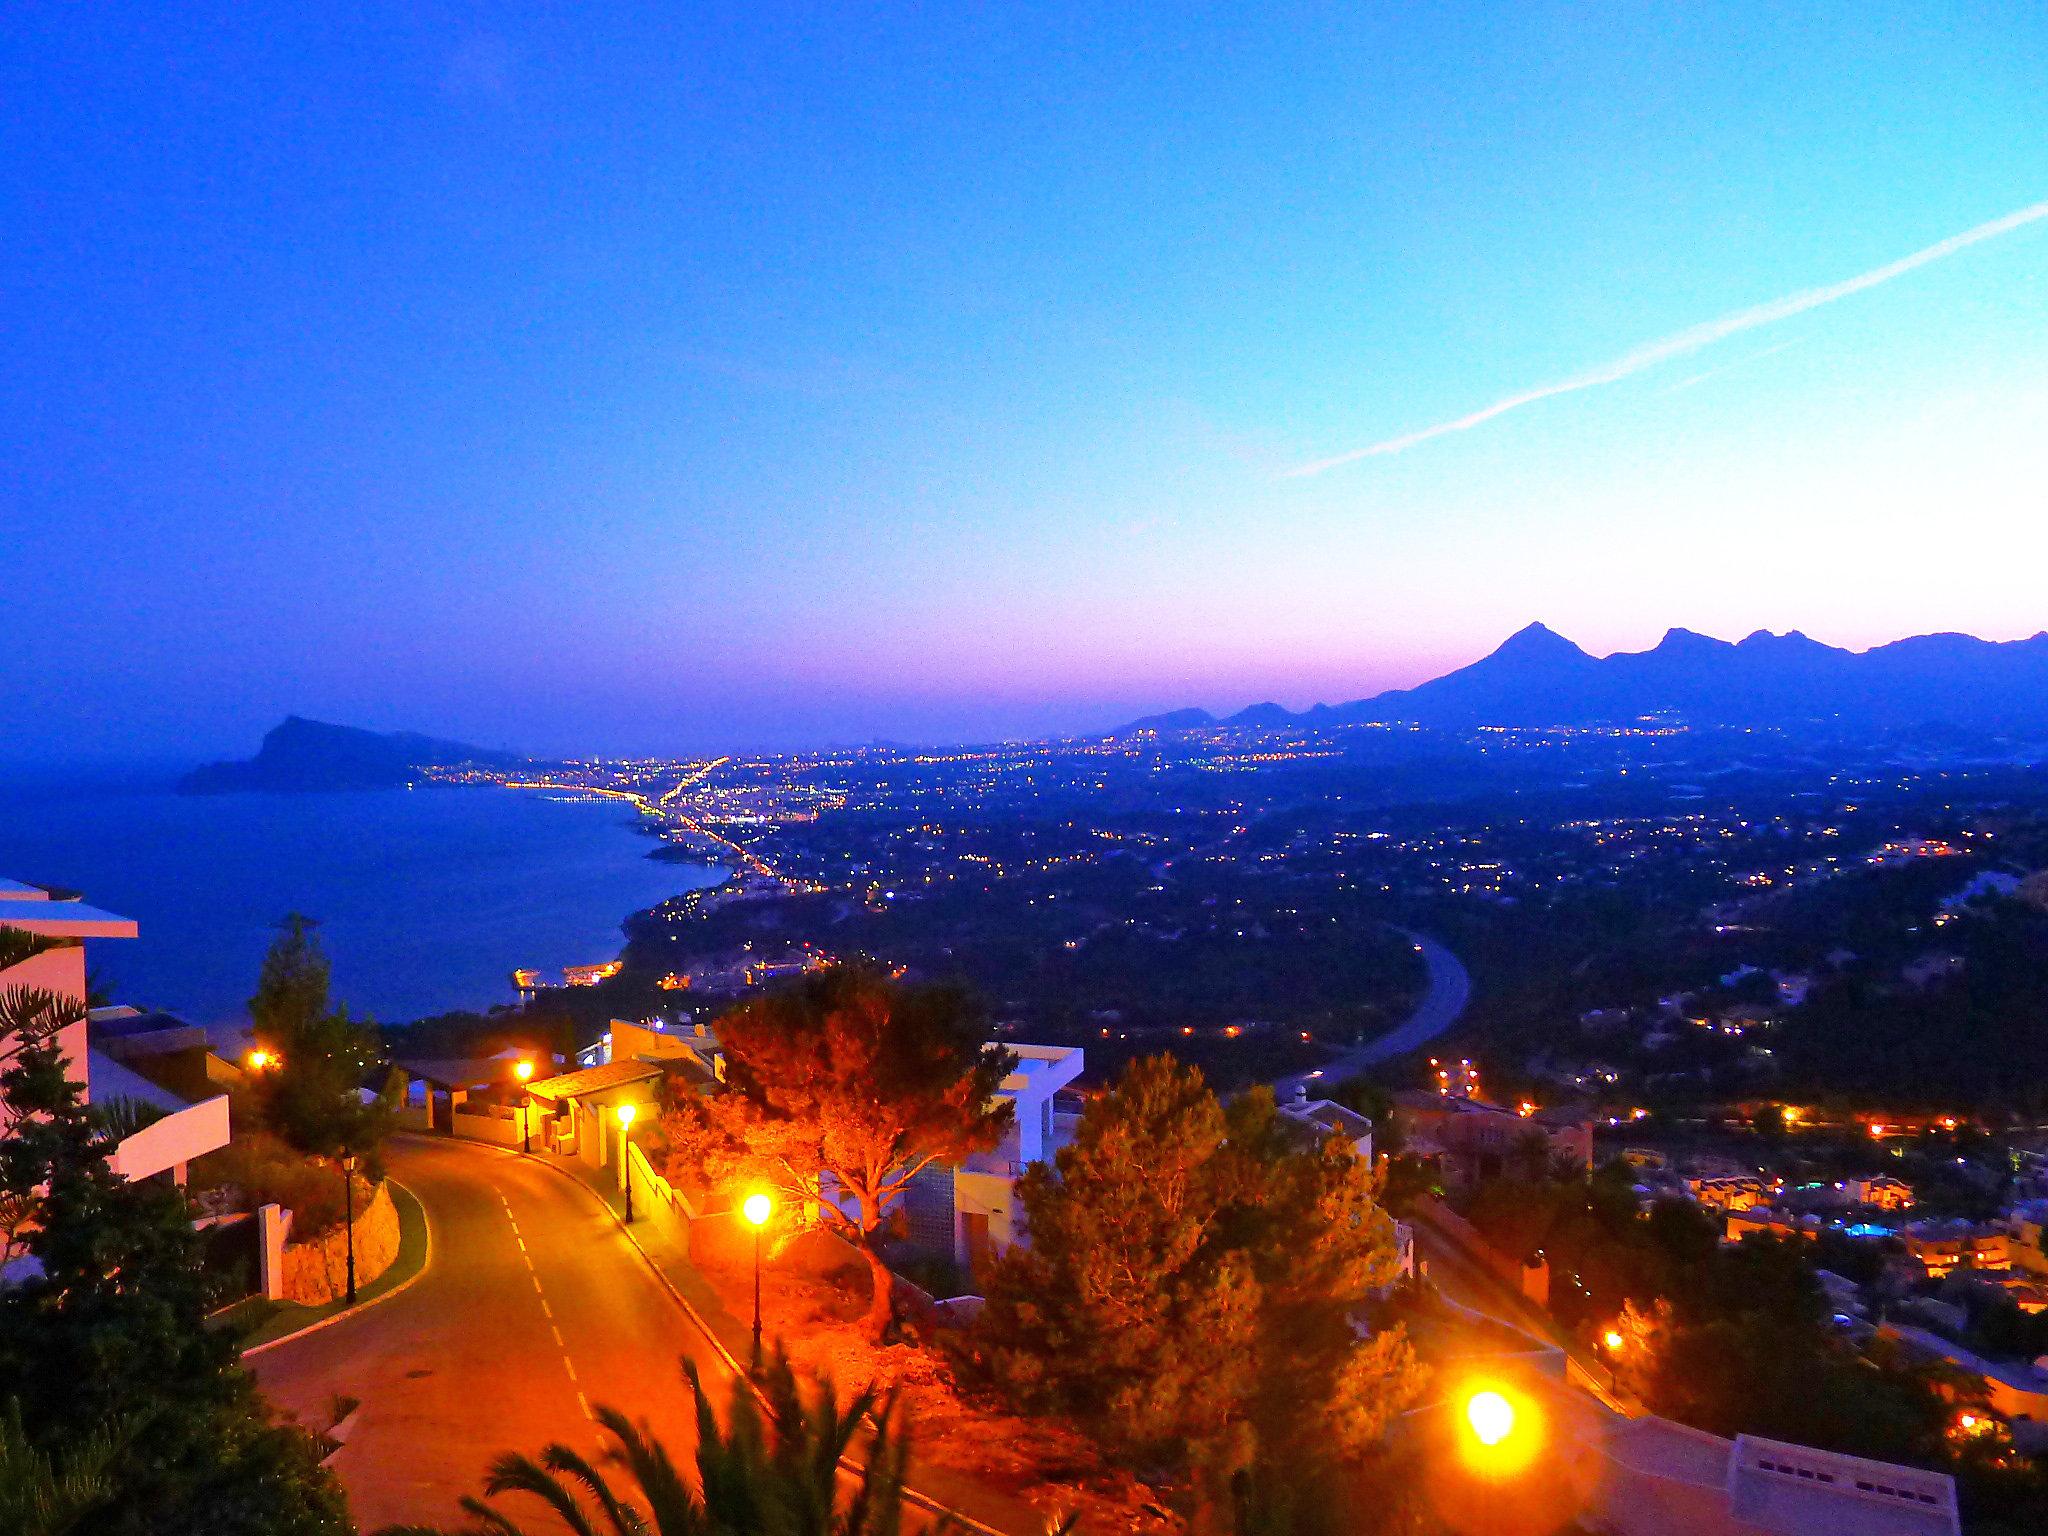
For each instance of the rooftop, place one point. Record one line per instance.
(33, 910)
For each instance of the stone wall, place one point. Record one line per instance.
(316, 1272)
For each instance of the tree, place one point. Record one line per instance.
(40, 1496)
(111, 1328)
(313, 1095)
(839, 1090)
(1178, 1253)
(777, 1476)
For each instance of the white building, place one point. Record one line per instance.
(971, 1212)
(186, 1117)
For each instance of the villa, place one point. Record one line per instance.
(157, 1065)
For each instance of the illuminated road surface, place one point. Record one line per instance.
(1449, 988)
(533, 1304)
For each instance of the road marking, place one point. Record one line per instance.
(584, 1403)
(545, 1308)
(536, 1281)
(569, 1366)
(564, 1343)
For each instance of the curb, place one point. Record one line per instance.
(923, 1501)
(426, 1263)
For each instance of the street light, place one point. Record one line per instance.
(523, 1071)
(757, 1208)
(1491, 1416)
(625, 1113)
(1614, 1341)
(261, 1060)
(348, 1199)
(1502, 1432)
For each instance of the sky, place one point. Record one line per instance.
(681, 377)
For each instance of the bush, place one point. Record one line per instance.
(261, 1169)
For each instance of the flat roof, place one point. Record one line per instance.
(613, 1074)
(65, 920)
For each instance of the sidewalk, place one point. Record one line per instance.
(941, 1489)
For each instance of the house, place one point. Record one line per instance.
(1882, 1191)
(971, 1212)
(1941, 1246)
(1318, 1119)
(1472, 1139)
(2028, 1242)
(1651, 1476)
(154, 1063)
(1728, 1192)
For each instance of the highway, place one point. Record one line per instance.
(1443, 1001)
(533, 1304)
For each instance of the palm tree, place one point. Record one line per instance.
(39, 1496)
(778, 1476)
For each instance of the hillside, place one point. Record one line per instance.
(310, 756)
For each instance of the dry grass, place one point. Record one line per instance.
(1045, 1463)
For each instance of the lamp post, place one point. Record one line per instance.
(348, 1200)
(1613, 1339)
(757, 1209)
(523, 1071)
(625, 1114)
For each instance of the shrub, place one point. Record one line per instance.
(261, 1169)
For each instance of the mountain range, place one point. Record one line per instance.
(310, 755)
(1789, 681)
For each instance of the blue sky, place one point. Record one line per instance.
(663, 376)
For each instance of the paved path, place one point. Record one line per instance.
(1443, 1000)
(533, 1304)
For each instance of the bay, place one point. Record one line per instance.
(426, 898)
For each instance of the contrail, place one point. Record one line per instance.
(1690, 340)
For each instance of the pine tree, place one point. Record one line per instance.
(110, 1325)
(1179, 1255)
(313, 1097)
(838, 1091)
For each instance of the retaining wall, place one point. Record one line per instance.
(316, 1272)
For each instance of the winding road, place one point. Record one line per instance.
(1443, 1001)
(533, 1305)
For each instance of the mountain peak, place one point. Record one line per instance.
(1538, 642)
(1690, 641)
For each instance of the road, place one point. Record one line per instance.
(533, 1305)
(1464, 1279)
(1443, 1000)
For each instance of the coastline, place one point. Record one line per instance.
(426, 902)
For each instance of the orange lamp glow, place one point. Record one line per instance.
(523, 1070)
(757, 1208)
(625, 1113)
(260, 1059)
(1491, 1417)
(1612, 1339)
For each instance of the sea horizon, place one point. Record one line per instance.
(426, 898)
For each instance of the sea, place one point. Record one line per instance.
(426, 898)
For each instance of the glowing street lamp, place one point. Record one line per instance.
(524, 1070)
(261, 1060)
(757, 1208)
(1614, 1342)
(1491, 1417)
(625, 1113)
(1502, 1433)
